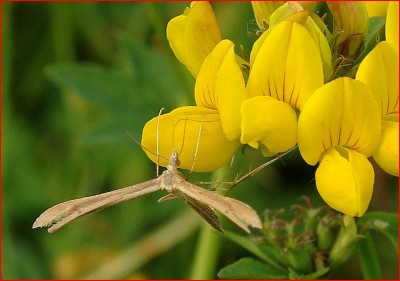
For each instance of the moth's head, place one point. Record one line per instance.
(173, 161)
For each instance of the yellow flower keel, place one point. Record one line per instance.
(195, 132)
(345, 180)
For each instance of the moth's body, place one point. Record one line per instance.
(201, 200)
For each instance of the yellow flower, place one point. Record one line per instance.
(342, 112)
(287, 65)
(212, 128)
(387, 154)
(193, 35)
(380, 71)
(220, 85)
(340, 127)
(345, 179)
(188, 129)
(269, 124)
(286, 69)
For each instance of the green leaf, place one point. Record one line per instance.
(369, 260)
(105, 88)
(153, 72)
(385, 223)
(117, 130)
(247, 244)
(373, 36)
(248, 268)
(312, 276)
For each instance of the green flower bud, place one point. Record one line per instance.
(350, 25)
(300, 261)
(325, 237)
(345, 242)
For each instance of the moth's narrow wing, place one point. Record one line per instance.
(61, 214)
(238, 212)
(205, 211)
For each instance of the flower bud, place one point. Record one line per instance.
(327, 231)
(350, 25)
(345, 242)
(263, 10)
(193, 35)
(290, 11)
(299, 260)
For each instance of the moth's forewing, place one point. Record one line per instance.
(61, 214)
(238, 212)
(205, 211)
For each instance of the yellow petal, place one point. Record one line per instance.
(176, 38)
(345, 180)
(269, 123)
(290, 11)
(387, 154)
(308, 5)
(257, 46)
(204, 91)
(220, 85)
(319, 37)
(380, 71)
(376, 8)
(342, 112)
(263, 10)
(322, 45)
(294, 11)
(287, 66)
(193, 35)
(189, 129)
(392, 25)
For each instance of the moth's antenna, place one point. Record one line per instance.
(157, 141)
(143, 147)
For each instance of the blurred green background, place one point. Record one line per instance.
(77, 78)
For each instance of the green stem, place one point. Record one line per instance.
(7, 41)
(206, 256)
(62, 28)
(369, 262)
(205, 259)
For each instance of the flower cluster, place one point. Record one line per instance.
(307, 83)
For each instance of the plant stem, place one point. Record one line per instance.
(62, 28)
(206, 255)
(368, 258)
(208, 246)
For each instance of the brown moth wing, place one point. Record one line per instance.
(61, 214)
(238, 212)
(205, 211)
